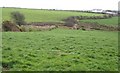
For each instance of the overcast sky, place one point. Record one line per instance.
(62, 4)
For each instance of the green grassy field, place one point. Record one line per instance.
(110, 21)
(37, 15)
(61, 49)
(33, 15)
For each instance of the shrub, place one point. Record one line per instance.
(108, 16)
(9, 26)
(70, 21)
(18, 18)
(69, 24)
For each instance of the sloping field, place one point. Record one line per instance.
(35, 15)
(60, 49)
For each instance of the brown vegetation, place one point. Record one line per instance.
(73, 23)
(9, 26)
(93, 26)
(38, 26)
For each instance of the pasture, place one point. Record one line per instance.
(38, 15)
(60, 49)
(110, 21)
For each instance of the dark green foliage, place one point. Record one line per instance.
(71, 21)
(18, 18)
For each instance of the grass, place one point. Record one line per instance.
(110, 21)
(60, 49)
(33, 15)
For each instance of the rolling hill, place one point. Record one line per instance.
(38, 15)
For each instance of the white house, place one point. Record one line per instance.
(104, 11)
(111, 12)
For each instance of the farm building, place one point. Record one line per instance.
(111, 12)
(105, 11)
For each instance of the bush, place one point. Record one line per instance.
(18, 18)
(69, 24)
(107, 16)
(9, 26)
(70, 21)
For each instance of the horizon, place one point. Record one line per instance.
(62, 4)
(53, 9)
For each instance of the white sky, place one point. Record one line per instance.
(62, 4)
